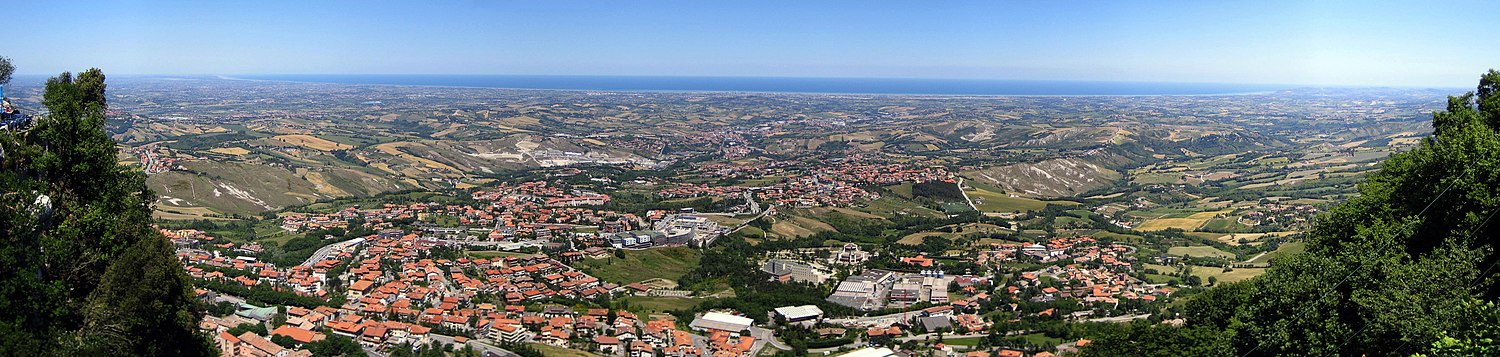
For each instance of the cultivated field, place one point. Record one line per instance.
(1186, 224)
(1199, 251)
(312, 142)
(1183, 221)
(236, 151)
(798, 226)
(1237, 274)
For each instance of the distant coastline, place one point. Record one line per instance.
(882, 86)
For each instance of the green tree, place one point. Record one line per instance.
(1145, 339)
(1489, 103)
(1392, 271)
(333, 346)
(1481, 336)
(84, 273)
(1391, 268)
(6, 70)
(258, 329)
(284, 341)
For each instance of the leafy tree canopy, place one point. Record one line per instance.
(1394, 271)
(84, 273)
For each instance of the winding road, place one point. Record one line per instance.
(966, 194)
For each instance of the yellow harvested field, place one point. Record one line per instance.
(395, 149)
(1238, 274)
(312, 142)
(1186, 224)
(452, 128)
(384, 167)
(1207, 215)
(320, 183)
(789, 230)
(917, 238)
(236, 151)
(520, 121)
(797, 226)
(1252, 238)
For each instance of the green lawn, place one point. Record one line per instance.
(1159, 279)
(996, 202)
(903, 190)
(1203, 272)
(1284, 250)
(1042, 340)
(666, 263)
(990, 199)
(969, 341)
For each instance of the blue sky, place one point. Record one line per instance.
(1432, 43)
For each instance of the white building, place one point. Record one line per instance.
(806, 313)
(722, 322)
(870, 352)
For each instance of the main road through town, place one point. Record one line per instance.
(323, 252)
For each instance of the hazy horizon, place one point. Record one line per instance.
(1325, 43)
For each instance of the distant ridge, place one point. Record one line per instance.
(903, 86)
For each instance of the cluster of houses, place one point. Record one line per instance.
(1076, 249)
(688, 190)
(152, 163)
(858, 171)
(814, 191)
(1274, 213)
(394, 295)
(1081, 270)
(531, 209)
(248, 271)
(340, 219)
(797, 191)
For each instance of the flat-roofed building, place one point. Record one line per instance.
(870, 352)
(722, 322)
(807, 314)
(793, 270)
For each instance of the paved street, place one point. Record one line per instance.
(484, 348)
(325, 251)
(764, 336)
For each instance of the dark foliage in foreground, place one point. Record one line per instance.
(82, 272)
